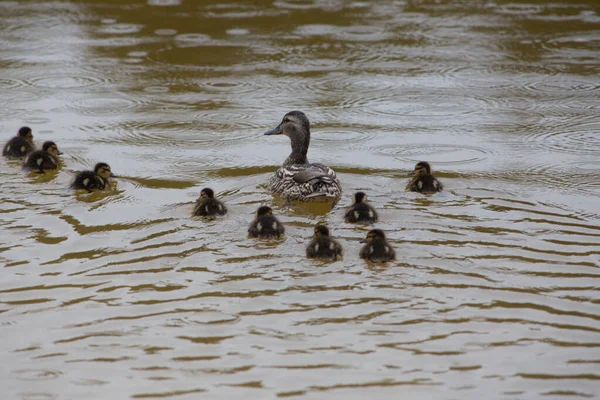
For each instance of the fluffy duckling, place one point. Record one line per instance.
(376, 248)
(361, 211)
(298, 179)
(44, 159)
(99, 178)
(207, 205)
(20, 145)
(265, 225)
(322, 246)
(423, 181)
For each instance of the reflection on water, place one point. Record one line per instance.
(122, 294)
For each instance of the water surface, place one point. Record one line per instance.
(123, 295)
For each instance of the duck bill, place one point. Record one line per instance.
(363, 241)
(274, 131)
(59, 153)
(113, 175)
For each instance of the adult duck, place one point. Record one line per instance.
(298, 179)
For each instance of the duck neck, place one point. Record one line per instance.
(300, 141)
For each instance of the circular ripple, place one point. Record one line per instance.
(173, 134)
(193, 38)
(120, 29)
(165, 32)
(6, 84)
(575, 138)
(103, 105)
(436, 153)
(38, 396)
(65, 81)
(36, 120)
(560, 85)
(237, 31)
(36, 374)
(227, 85)
(164, 3)
(345, 136)
(225, 119)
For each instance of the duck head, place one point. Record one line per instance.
(51, 148)
(207, 193)
(360, 197)
(103, 170)
(263, 210)
(321, 230)
(373, 235)
(26, 132)
(422, 168)
(296, 126)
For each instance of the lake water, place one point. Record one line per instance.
(123, 295)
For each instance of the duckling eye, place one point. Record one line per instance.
(286, 120)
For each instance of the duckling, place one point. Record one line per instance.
(322, 246)
(297, 179)
(265, 225)
(20, 145)
(99, 178)
(424, 182)
(207, 205)
(376, 248)
(44, 159)
(361, 211)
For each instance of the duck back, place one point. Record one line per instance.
(377, 251)
(40, 160)
(17, 147)
(88, 180)
(324, 247)
(361, 212)
(209, 207)
(266, 226)
(306, 182)
(426, 184)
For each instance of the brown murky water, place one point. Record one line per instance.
(122, 295)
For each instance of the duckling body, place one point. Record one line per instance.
(424, 181)
(361, 211)
(266, 225)
(297, 179)
(20, 145)
(207, 205)
(377, 249)
(322, 246)
(43, 160)
(98, 179)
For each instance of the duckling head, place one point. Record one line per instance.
(263, 210)
(26, 132)
(103, 170)
(422, 168)
(207, 193)
(372, 235)
(360, 197)
(321, 230)
(51, 148)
